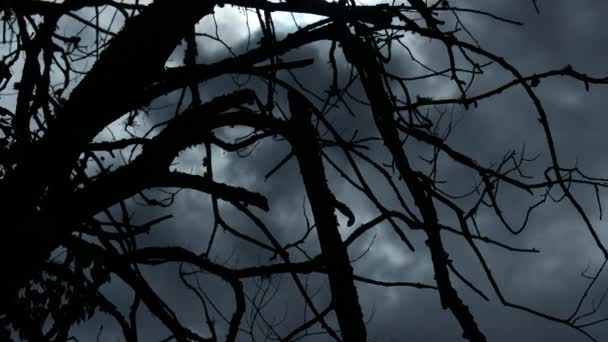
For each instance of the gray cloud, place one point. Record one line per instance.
(564, 33)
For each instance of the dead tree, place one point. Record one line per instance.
(67, 197)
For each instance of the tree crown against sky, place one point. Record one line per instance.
(299, 170)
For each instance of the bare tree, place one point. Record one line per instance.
(75, 165)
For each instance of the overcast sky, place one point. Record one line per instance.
(565, 32)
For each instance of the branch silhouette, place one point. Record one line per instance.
(94, 167)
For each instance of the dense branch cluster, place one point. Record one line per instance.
(76, 164)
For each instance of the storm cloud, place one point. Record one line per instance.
(564, 33)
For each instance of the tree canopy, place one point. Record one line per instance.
(251, 167)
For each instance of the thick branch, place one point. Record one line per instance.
(359, 53)
(303, 137)
(40, 182)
